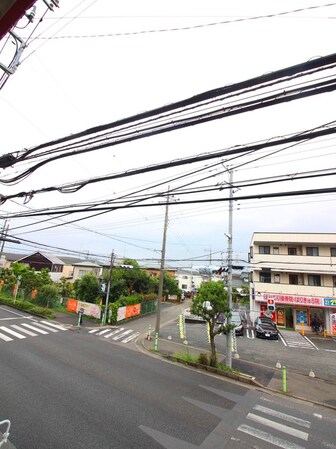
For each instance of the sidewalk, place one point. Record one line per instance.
(298, 386)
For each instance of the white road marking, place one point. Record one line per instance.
(92, 331)
(131, 337)
(11, 332)
(5, 337)
(103, 332)
(264, 436)
(277, 426)
(311, 342)
(284, 416)
(123, 334)
(113, 332)
(46, 327)
(34, 328)
(25, 331)
(56, 326)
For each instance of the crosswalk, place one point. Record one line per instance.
(296, 340)
(115, 333)
(276, 428)
(32, 329)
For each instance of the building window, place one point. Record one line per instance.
(265, 276)
(184, 287)
(334, 281)
(277, 278)
(314, 279)
(292, 251)
(333, 252)
(184, 277)
(264, 250)
(276, 250)
(312, 251)
(293, 279)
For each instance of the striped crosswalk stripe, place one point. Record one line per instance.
(25, 331)
(265, 436)
(5, 337)
(117, 334)
(12, 332)
(34, 328)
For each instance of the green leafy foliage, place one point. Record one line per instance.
(209, 303)
(28, 306)
(47, 296)
(87, 288)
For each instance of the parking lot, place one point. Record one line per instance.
(299, 354)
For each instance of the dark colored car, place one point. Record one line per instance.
(266, 328)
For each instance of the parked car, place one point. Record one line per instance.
(265, 328)
(236, 319)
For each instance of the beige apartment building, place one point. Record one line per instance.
(296, 272)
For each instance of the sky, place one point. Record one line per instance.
(90, 63)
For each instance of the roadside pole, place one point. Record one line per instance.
(229, 277)
(108, 289)
(162, 264)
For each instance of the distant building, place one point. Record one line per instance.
(297, 273)
(189, 280)
(40, 260)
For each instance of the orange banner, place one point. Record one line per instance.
(72, 305)
(132, 310)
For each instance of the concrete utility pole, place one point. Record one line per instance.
(163, 256)
(108, 289)
(229, 277)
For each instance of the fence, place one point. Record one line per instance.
(148, 307)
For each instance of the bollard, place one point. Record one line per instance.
(156, 341)
(302, 330)
(149, 332)
(284, 380)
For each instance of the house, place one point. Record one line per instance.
(189, 280)
(40, 260)
(295, 274)
(154, 270)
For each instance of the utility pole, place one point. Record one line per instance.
(3, 236)
(229, 277)
(108, 289)
(163, 256)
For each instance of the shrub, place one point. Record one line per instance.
(203, 359)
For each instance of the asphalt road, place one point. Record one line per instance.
(68, 389)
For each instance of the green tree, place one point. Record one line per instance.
(65, 287)
(87, 288)
(170, 286)
(210, 301)
(47, 296)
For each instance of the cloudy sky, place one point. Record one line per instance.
(91, 63)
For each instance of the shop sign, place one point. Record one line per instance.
(290, 299)
(330, 302)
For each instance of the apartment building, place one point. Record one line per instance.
(297, 273)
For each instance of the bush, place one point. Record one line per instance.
(47, 296)
(28, 307)
(203, 359)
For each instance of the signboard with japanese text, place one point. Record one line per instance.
(128, 311)
(329, 302)
(85, 307)
(292, 299)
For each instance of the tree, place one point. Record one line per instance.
(47, 296)
(210, 301)
(65, 287)
(87, 288)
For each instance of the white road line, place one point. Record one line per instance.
(5, 337)
(11, 332)
(56, 326)
(284, 416)
(114, 332)
(277, 426)
(45, 327)
(25, 331)
(264, 436)
(103, 332)
(311, 342)
(123, 334)
(92, 331)
(131, 337)
(34, 328)
(248, 333)
(282, 339)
